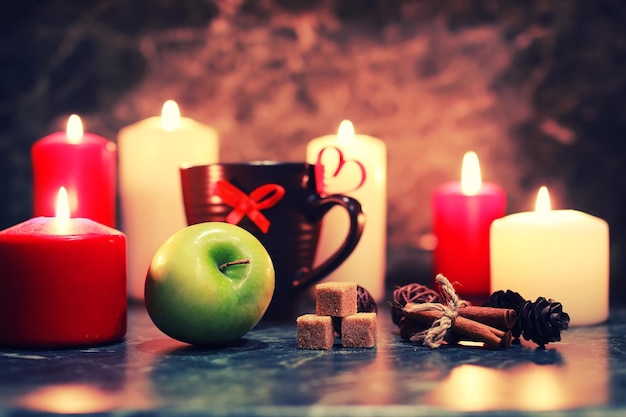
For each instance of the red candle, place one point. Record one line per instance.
(462, 215)
(85, 164)
(63, 283)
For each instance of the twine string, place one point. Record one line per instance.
(449, 307)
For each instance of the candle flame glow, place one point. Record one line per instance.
(471, 181)
(170, 116)
(543, 200)
(74, 130)
(69, 398)
(345, 133)
(63, 205)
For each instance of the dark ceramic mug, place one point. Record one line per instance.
(278, 202)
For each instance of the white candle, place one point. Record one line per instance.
(151, 153)
(559, 254)
(365, 157)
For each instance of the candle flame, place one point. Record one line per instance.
(63, 205)
(543, 200)
(345, 133)
(471, 181)
(74, 130)
(170, 116)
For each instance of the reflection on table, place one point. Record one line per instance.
(265, 374)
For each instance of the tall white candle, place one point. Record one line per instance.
(151, 153)
(365, 157)
(559, 254)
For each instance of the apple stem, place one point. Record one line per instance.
(222, 267)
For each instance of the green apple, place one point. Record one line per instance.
(209, 284)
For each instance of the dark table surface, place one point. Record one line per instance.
(266, 375)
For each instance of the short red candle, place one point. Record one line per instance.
(63, 283)
(461, 223)
(86, 166)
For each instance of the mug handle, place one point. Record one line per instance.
(320, 207)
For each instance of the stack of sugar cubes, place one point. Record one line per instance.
(336, 301)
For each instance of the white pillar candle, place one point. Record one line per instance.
(558, 254)
(362, 176)
(151, 153)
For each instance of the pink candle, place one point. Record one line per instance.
(85, 164)
(462, 215)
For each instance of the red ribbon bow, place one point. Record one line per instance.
(261, 198)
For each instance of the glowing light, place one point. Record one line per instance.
(170, 116)
(69, 399)
(543, 201)
(74, 130)
(63, 205)
(471, 181)
(345, 133)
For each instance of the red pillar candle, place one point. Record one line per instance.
(63, 283)
(85, 164)
(462, 215)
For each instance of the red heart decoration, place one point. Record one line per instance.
(342, 162)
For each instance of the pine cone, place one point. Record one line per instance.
(509, 299)
(410, 293)
(543, 321)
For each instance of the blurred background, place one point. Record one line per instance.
(537, 88)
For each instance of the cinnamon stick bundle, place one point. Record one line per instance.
(467, 328)
(500, 318)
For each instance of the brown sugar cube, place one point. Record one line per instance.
(337, 299)
(315, 332)
(359, 330)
